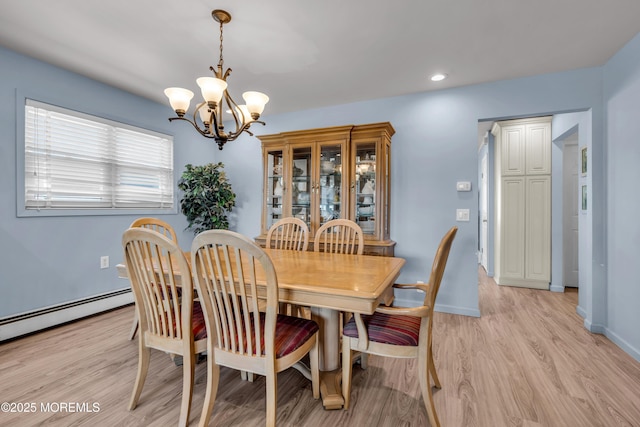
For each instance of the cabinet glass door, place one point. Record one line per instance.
(275, 186)
(330, 183)
(301, 188)
(365, 187)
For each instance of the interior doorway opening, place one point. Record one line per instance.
(567, 175)
(570, 219)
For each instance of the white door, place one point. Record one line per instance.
(570, 162)
(483, 210)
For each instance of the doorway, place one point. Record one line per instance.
(570, 234)
(567, 216)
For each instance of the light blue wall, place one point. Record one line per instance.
(435, 145)
(51, 260)
(622, 104)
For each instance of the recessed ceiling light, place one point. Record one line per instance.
(438, 77)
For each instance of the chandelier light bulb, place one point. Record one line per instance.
(179, 99)
(212, 89)
(255, 103)
(205, 114)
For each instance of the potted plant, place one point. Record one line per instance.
(207, 197)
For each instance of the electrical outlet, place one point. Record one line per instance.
(104, 261)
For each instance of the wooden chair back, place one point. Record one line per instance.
(288, 233)
(161, 227)
(160, 278)
(241, 313)
(341, 236)
(438, 266)
(229, 291)
(156, 224)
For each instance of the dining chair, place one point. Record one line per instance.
(156, 224)
(225, 266)
(341, 236)
(161, 227)
(401, 332)
(289, 233)
(170, 319)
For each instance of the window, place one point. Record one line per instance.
(77, 161)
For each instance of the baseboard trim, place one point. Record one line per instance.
(451, 309)
(36, 320)
(405, 302)
(594, 327)
(628, 348)
(615, 338)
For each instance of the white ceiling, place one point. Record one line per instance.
(308, 54)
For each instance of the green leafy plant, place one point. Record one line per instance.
(207, 197)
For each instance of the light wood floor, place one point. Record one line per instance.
(526, 362)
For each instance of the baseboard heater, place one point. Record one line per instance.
(36, 320)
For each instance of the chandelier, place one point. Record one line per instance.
(214, 91)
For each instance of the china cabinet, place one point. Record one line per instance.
(322, 174)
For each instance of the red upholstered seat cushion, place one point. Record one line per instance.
(197, 322)
(387, 329)
(291, 333)
(198, 325)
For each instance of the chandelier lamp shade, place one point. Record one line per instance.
(207, 117)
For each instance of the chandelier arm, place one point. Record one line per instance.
(232, 108)
(197, 128)
(214, 121)
(244, 128)
(230, 102)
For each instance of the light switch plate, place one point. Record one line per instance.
(463, 185)
(462, 214)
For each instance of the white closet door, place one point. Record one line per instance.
(512, 150)
(538, 149)
(538, 230)
(513, 228)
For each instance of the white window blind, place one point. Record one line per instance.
(78, 161)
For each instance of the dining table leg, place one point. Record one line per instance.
(330, 373)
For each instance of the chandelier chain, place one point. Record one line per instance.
(221, 62)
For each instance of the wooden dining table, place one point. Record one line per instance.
(328, 284)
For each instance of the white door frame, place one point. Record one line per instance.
(483, 202)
